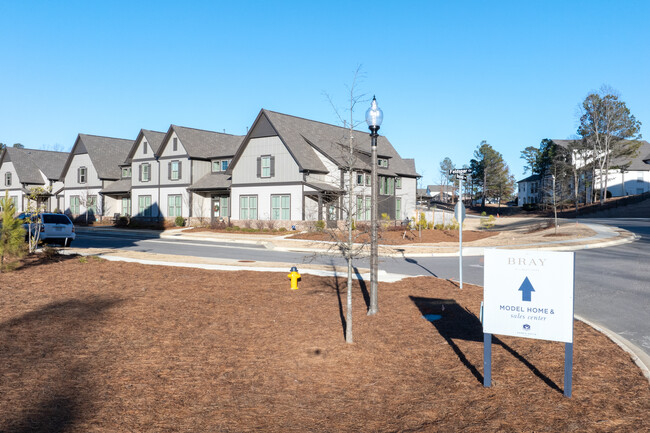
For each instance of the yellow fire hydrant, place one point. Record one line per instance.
(295, 276)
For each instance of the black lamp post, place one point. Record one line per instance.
(374, 117)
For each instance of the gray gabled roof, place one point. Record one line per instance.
(106, 154)
(154, 139)
(303, 137)
(121, 186)
(28, 164)
(530, 178)
(211, 181)
(202, 144)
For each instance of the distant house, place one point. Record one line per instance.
(529, 190)
(292, 169)
(24, 169)
(627, 176)
(444, 193)
(94, 164)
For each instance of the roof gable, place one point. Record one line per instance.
(202, 144)
(106, 154)
(154, 140)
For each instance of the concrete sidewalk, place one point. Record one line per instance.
(590, 236)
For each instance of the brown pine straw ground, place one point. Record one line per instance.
(97, 346)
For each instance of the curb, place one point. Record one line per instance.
(640, 358)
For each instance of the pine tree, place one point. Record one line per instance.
(12, 234)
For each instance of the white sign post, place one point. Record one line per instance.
(459, 212)
(529, 294)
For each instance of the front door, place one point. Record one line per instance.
(219, 208)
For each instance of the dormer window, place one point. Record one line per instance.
(126, 172)
(382, 162)
(220, 165)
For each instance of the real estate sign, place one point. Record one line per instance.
(529, 294)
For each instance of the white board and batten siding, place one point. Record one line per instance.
(286, 168)
(15, 189)
(263, 194)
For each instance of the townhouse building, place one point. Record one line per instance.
(92, 165)
(286, 169)
(22, 170)
(291, 169)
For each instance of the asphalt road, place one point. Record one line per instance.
(612, 284)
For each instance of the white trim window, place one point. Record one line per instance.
(248, 207)
(398, 182)
(174, 170)
(266, 166)
(174, 205)
(126, 172)
(126, 206)
(91, 205)
(145, 172)
(75, 203)
(7, 179)
(144, 205)
(280, 207)
(82, 175)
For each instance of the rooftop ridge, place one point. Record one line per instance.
(203, 130)
(316, 121)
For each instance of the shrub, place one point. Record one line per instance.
(50, 252)
(483, 213)
(487, 223)
(319, 225)
(179, 221)
(439, 226)
(282, 229)
(529, 207)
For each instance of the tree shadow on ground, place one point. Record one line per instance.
(40, 349)
(458, 323)
(39, 259)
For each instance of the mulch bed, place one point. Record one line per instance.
(400, 237)
(96, 346)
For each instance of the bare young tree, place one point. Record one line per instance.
(346, 242)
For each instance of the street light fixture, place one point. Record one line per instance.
(374, 117)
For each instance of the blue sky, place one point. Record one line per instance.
(447, 74)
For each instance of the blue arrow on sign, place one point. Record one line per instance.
(526, 289)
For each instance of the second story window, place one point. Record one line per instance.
(7, 179)
(224, 165)
(382, 162)
(145, 172)
(82, 175)
(359, 178)
(265, 166)
(398, 182)
(174, 170)
(126, 172)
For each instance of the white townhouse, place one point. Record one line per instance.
(137, 191)
(181, 173)
(443, 193)
(627, 176)
(529, 190)
(290, 169)
(24, 169)
(93, 165)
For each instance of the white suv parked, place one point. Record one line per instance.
(55, 228)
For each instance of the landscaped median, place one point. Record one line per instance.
(92, 345)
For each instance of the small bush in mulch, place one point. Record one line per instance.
(122, 347)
